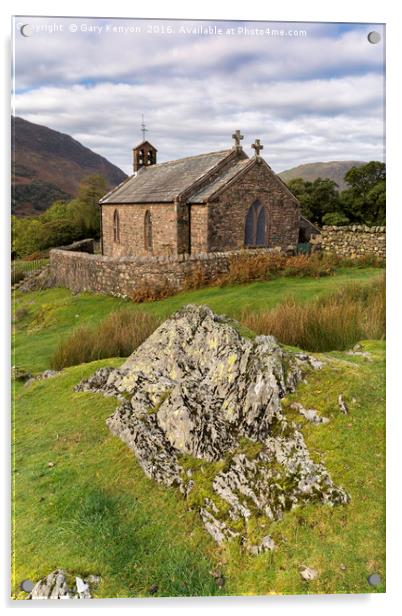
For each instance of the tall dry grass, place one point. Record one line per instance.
(335, 322)
(117, 336)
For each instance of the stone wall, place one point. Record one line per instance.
(127, 276)
(131, 225)
(227, 216)
(352, 241)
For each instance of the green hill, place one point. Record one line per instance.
(334, 170)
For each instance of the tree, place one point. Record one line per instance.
(364, 200)
(63, 223)
(316, 198)
(85, 208)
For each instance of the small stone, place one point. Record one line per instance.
(308, 574)
(82, 588)
(219, 577)
(342, 405)
(268, 543)
(50, 464)
(342, 567)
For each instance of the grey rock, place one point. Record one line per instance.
(196, 387)
(342, 405)
(267, 543)
(56, 586)
(311, 415)
(37, 280)
(308, 574)
(47, 374)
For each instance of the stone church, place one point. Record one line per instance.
(212, 202)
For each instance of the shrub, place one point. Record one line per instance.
(267, 265)
(315, 266)
(335, 322)
(117, 336)
(147, 293)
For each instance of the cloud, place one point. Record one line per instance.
(320, 98)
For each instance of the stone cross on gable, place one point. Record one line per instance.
(257, 146)
(237, 136)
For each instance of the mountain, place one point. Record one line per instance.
(48, 165)
(334, 170)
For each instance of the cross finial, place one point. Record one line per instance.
(257, 146)
(143, 129)
(237, 136)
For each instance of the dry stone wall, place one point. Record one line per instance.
(126, 276)
(352, 241)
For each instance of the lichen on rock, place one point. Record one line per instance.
(197, 390)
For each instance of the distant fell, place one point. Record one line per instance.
(334, 170)
(48, 165)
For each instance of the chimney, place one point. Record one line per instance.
(144, 155)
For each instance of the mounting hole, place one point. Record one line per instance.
(27, 585)
(374, 579)
(374, 37)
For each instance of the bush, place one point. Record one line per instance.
(315, 266)
(267, 265)
(147, 293)
(117, 336)
(335, 322)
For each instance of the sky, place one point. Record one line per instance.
(309, 91)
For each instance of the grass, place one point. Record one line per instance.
(344, 544)
(332, 322)
(94, 511)
(121, 332)
(53, 314)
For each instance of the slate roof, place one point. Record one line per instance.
(223, 178)
(163, 182)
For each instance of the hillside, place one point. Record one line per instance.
(72, 478)
(334, 170)
(48, 165)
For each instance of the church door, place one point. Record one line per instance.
(255, 227)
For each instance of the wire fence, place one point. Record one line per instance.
(25, 266)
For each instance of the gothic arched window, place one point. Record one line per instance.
(255, 227)
(148, 231)
(116, 226)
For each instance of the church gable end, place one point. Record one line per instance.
(254, 209)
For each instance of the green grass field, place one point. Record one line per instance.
(50, 315)
(94, 511)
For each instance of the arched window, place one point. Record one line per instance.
(255, 227)
(116, 226)
(148, 231)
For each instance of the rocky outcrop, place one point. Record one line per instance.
(37, 280)
(197, 390)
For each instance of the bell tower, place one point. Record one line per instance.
(144, 155)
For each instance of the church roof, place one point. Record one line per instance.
(163, 182)
(223, 178)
